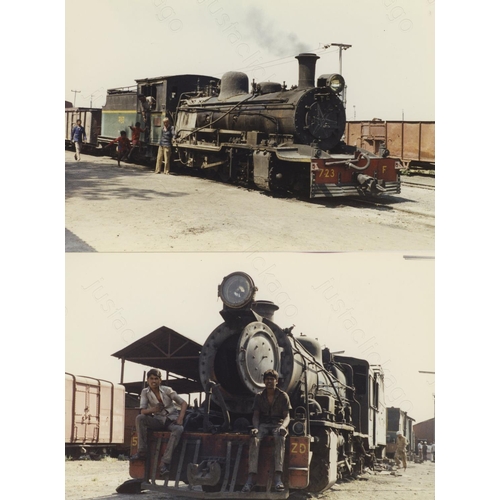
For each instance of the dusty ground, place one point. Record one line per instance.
(111, 209)
(91, 480)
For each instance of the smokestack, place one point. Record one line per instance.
(265, 308)
(307, 68)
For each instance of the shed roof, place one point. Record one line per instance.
(167, 350)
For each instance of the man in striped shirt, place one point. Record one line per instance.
(165, 147)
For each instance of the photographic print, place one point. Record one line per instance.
(249, 245)
(310, 127)
(350, 337)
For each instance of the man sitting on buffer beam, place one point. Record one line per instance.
(159, 413)
(271, 415)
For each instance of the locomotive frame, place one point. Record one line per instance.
(337, 402)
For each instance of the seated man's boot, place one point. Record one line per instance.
(250, 484)
(278, 483)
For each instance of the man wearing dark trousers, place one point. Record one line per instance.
(78, 136)
(271, 416)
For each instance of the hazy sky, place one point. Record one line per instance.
(389, 68)
(374, 306)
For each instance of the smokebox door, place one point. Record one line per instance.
(258, 351)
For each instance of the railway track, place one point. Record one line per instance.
(418, 184)
(356, 202)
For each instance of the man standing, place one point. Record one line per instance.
(78, 136)
(271, 415)
(420, 451)
(159, 413)
(147, 105)
(165, 147)
(146, 109)
(400, 450)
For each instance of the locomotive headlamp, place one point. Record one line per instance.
(298, 428)
(335, 81)
(237, 290)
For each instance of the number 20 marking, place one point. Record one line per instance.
(302, 448)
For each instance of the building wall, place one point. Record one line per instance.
(425, 431)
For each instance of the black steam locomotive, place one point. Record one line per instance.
(337, 422)
(271, 137)
(280, 140)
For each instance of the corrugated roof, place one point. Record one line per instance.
(167, 350)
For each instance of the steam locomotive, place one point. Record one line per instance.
(273, 138)
(337, 424)
(281, 140)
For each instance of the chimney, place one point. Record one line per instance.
(307, 69)
(265, 308)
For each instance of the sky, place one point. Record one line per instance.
(389, 68)
(373, 306)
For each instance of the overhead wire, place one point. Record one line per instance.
(269, 64)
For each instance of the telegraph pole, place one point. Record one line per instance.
(91, 96)
(341, 46)
(74, 100)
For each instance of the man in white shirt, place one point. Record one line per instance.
(420, 450)
(400, 455)
(159, 413)
(432, 450)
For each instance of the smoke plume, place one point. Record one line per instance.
(265, 35)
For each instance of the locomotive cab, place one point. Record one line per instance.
(124, 107)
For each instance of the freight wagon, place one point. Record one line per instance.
(94, 415)
(412, 142)
(91, 122)
(398, 420)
